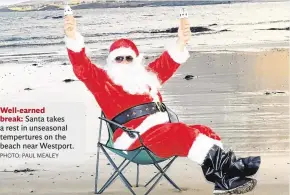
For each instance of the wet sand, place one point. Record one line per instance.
(243, 96)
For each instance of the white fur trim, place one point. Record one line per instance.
(124, 141)
(75, 45)
(178, 56)
(122, 51)
(139, 58)
(200, 148)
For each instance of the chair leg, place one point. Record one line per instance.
(153, 186)
(162, 172)
(112, 178)
(115, 174)
(97, 170)
(137, 180)
(164, 169)
(123, 179)
(165, 175)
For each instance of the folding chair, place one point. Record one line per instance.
(139, 156)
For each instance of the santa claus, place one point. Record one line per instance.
(128, 93)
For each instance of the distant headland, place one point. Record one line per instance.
(85, 4)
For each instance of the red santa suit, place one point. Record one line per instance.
(164, 138)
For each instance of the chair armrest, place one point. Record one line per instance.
(125, 129)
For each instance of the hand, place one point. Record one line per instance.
(184, 32)
(70, 26)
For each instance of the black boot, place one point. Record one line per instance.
(227, 173)
(245, 167)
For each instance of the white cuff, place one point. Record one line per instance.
(75, 45)
(200, 148)
(179, 57)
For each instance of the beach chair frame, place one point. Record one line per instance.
(130, 156)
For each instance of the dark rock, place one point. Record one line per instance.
(278, 92)
(213, 24)
(175, 30)
(68, 80)
(23, 170)
(28, 89)
(57, 17)
(286, 28)
(34, 64)
(225, 30)
(188, 77)
(77, 16)
(64, 64)
(199, 29)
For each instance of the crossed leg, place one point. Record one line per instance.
(179, 139)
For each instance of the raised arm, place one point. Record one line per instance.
(176, 54)
(84, 69)
(169, 61)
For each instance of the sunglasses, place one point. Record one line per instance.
(120, 59)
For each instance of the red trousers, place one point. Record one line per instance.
(178, 139)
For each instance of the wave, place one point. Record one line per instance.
(255, 23)
(30, 44)
(13, 39)
(27, 54)
(196, 29)
(59, 40)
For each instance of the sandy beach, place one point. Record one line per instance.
(238, 85)
(244, 96)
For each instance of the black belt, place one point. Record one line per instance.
(136, 112)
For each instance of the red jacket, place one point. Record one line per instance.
(111, 98)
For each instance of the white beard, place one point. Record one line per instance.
(134, 78)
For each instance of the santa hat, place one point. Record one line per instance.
(123, 47)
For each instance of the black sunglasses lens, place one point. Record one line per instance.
(129, 58)
(119, 59)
